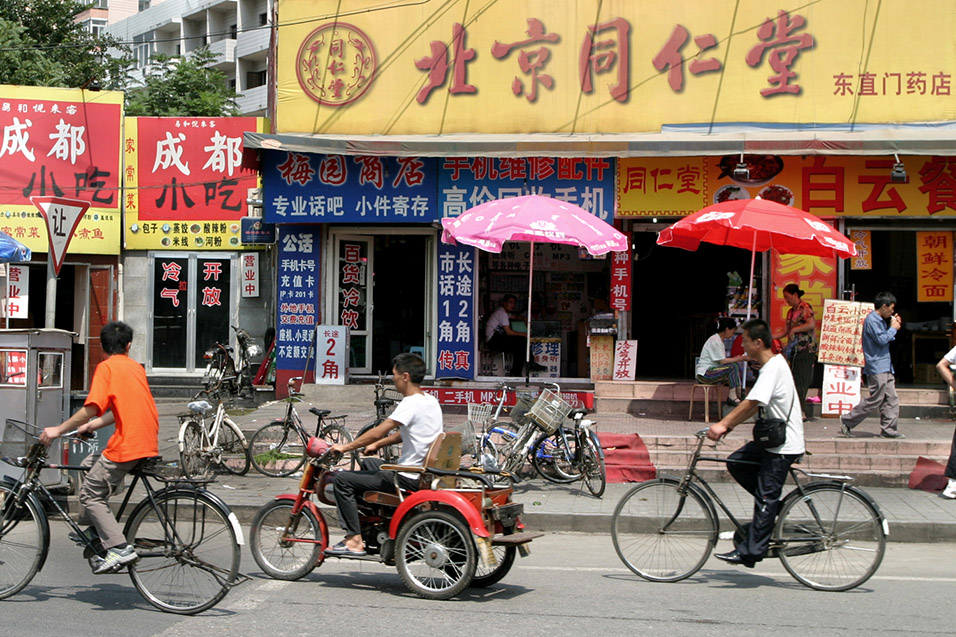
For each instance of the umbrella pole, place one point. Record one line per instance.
(750, 296)
(527, 352)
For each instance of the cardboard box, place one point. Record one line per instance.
(926, 374)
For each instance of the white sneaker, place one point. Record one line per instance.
(950, 491)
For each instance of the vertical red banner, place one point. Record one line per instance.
(621, 269)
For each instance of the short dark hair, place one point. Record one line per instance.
(757, 329)
(725, 323)
(115, 336)
(793, 288)
(883, 298)
(412, 364)
(508, 297)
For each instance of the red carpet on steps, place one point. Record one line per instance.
(626, 458)
(927, 475)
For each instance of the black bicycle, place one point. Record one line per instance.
(278, 449)
(230, 371)
(186, 538)
(385, 400)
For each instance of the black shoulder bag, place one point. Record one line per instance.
(771, 432)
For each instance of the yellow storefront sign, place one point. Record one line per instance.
(609, 66)
(830, 186)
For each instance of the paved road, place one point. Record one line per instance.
(572, 584)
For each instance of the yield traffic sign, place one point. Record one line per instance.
(62, 216)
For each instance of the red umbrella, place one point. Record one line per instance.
(758, 225)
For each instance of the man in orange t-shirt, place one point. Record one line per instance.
(119, 393)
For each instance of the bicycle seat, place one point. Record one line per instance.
(321, 413)
(576, 413)
(199, 406)
(379, 402)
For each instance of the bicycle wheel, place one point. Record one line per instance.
(661, 534)
(435, 554)
(24, 542)
(832, 539)
(194, 462)
(336, 434)
(286, 556)
(277, 450)
(234, 455)
(188, 550)
(553, 457)
(515, 453)
(592, 467)
(500, 435)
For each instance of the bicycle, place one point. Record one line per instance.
(502, 444)
(228, 370)
(219, 442)
(186, 538)
(563, 458)
(385, 399)
(278, 449)
(829, 535)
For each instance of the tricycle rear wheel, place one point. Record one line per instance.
(436, 555)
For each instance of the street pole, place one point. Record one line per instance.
(50, 319)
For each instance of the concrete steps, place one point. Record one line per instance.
(871, 462)
(671, 400)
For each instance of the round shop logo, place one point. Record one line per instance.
(336, 64)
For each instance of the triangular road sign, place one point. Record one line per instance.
(62, 216)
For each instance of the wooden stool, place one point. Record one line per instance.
(706, 387)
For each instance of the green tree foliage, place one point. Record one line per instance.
(41, 44)
(183, 87)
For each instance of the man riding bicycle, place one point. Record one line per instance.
(765, 470)
(419, 420)
(119, 392)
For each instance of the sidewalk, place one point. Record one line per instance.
(913, 515)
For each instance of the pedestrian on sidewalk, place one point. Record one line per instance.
(878, 368)
(945, 369)
(760, 471)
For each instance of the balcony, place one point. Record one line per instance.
(225, 52)
(253, 44)
(253, 101)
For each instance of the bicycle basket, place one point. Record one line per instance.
(549, 411)
(519, 413)
(479, 414)
(18, 437)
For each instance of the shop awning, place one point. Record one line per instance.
(937, 138)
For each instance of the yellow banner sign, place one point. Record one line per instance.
(934, 264)
(606, 66)
(826, 186)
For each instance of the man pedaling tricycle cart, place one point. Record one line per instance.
(445, 528)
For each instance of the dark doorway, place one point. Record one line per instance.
(399, 297)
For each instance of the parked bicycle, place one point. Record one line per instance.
(208, 441)
(565, 457)
(230, 371)
(278, 449)
(829, 535)
(385, 400)
(187, 540)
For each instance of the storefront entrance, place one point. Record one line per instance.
(382, 290)
(677, 294)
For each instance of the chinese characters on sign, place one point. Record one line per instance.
(841, 333)
(625, 360)
(547, 352)
(841, 389)
(186, 181)
(331, 355)
(297, 283)
(13, 367)
(456, 311)
(621, 269)
(864, 250)
(816, 276)
(467, 182)
(934, 265)
(336, 189)
(17, 298)
(353, 286)
(250, 275)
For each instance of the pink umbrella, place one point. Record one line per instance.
(533, 218)
(758, 225)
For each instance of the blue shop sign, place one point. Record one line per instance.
(297, 290)
(255, 231)
(465, 182)
(456, 311)
(300, 188)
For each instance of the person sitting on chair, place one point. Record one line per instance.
(502, 338)
(419, 421)
(715, 367)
